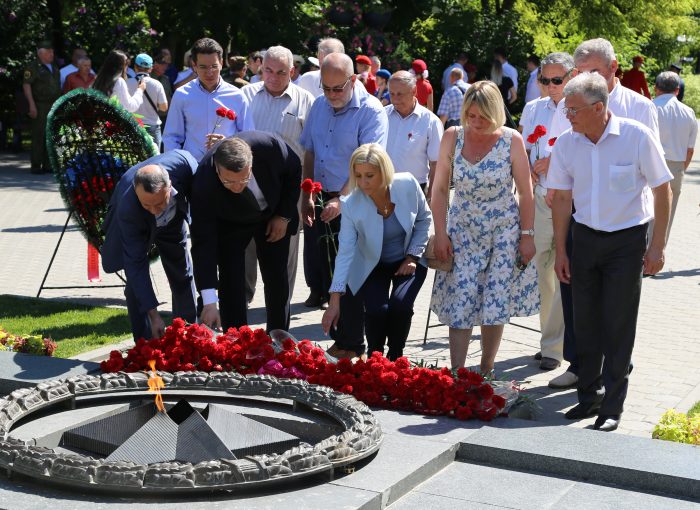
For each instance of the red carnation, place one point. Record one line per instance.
(221, 111)
(307, 186)
(230, 115)
(532, 139)
(540, 130)
(552, 141)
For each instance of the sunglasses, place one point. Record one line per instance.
(557, 80)
(336, 90)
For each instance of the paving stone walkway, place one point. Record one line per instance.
(666, 355)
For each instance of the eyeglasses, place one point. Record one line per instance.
(336, 90)
(557, 80)
(212, 67)
(571, 112)
(233, 183)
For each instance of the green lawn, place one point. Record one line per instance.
(74, 327)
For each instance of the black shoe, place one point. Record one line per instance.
(580, 411)
(607, 422)
(314, 299)
(36, 170)
(538, 356)
(549, 363)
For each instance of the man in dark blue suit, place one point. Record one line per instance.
(150, 206)
(246, 187)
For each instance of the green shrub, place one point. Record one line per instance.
(678, 427)
(692, 92)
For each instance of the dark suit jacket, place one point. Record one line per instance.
(277, 170)
(130, 230)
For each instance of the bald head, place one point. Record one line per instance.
(337, 63)
(152, 178)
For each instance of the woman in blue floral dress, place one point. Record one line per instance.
(487, 230)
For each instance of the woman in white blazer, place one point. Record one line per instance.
(383, 234)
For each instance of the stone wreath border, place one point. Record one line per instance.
(362, 436)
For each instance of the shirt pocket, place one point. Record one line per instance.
(623, 178)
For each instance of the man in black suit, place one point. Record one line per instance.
(246, 187)
(150, 205)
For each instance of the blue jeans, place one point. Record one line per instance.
(155, 133)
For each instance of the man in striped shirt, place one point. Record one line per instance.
(278, 106)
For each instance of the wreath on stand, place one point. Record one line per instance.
(92, 141)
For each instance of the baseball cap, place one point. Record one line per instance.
(418, 66)
(384, 73)
(363, 59)
(143, 60)
(314, 61)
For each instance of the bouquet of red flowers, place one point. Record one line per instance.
(223, 113)
(534, 138)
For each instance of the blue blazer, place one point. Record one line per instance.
(130, 230)
(362, 231)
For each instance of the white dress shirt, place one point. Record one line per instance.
(511, 72)
(413, 141)
(311, 82)
(284, 115)
(541, 115)
(533, 90)
(608, 178)
(678, 127)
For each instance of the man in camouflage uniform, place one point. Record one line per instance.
(42, 86)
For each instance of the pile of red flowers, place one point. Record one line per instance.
(377, 381)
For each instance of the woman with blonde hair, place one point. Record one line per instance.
(489, 234)
(383, 234)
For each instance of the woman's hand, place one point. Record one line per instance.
(142, 85)
(332, 313)
(407, 267)
(443, 247)
(526, 248)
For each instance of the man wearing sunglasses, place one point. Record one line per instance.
(556, 70)
(341, 120)
(246, 187)
(606, 164)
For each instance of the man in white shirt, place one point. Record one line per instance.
(508, 70)
(278, 106)
(154, 96)
(605, 163)
(413, 141)
(557, 69)
(311, 81)
(678, 128)
(532, 90)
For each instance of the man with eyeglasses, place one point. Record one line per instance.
(605, 164)
(246, 187)
(192, 116)
(344, 118)
(556, 70)
(151, 206)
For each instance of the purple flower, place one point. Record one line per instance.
(11, 16)
(82, 10)
(153, 32)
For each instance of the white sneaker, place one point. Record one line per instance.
(565, 380)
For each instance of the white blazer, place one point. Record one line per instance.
(362, 230)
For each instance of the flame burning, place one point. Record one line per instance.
(155, 384)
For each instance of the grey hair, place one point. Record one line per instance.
(234, 154)
(330, 45)
(667, 82)
(375, 59)
(457, 73)
(279, 53)
(558, 58)
(403, 77)
(591, 86)
(152, 181)
(595, 48)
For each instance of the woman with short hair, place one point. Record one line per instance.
(383, 234)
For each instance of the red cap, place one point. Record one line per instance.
(418, 66)
(363, 59)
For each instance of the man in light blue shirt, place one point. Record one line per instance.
(192, 118)
(341, 120)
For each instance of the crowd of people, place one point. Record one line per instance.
(352, 156)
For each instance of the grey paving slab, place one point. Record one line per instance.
(421, 501)
(586, 496)
(500, 487)
(24, 370)
(412, 426)
(629, 462)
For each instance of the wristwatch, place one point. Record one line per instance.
(528, 232)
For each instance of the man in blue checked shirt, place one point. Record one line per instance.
(192, 116)
(340, 120)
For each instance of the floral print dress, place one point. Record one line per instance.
(484, 285)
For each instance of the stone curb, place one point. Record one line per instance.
(102, 353)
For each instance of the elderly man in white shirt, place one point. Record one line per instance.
(556, 70)
(311, 81)
(413, 141)
(605, 163)
(278, 106)
(678, 128)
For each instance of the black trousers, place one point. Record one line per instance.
(171, 241)
(272, 257)
(606, 280)
(388, 301)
